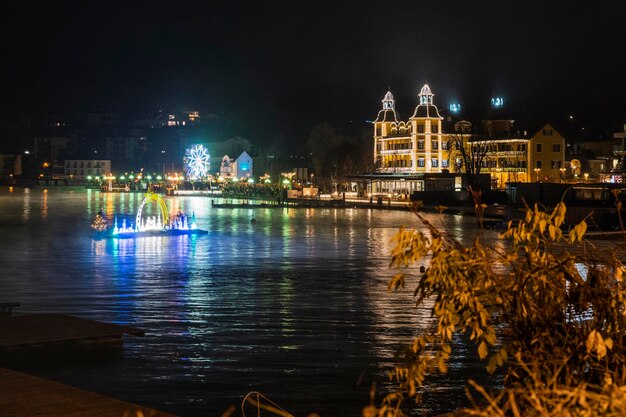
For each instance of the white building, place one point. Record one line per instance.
(242, 167)
(226, 167)
(82, 168)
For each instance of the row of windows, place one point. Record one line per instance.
(420, 129)
(433, 128)
(399, 163)
(434, 145)
(492, 163)
(399, 146)
(434, 162)
(553, 164)
(421, 162)
(407, 145)
(81, 164)
(556, 147)
(85, 172)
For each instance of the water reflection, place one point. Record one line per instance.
(294, 305)
(26, 205)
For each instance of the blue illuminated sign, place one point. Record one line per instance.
(497, 102)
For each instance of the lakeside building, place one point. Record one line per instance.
(50, 148)
(519, 156)
(10, 166)
(82, 168)
(412, 147)
(242, 167)
(404, 152)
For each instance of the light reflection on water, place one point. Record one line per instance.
(293, 305)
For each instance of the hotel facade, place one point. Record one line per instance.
(408, 153)
(416, 146)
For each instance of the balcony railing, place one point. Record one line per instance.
(396, 169)
(505, 153)
(396, 152)
(397, 135)
(507, 169)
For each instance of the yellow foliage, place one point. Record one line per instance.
(531, 292)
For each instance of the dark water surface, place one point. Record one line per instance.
(293, 305)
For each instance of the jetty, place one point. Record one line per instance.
(28, 337)
(25, 395)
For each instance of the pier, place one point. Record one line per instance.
(29, 396)
(26, 337)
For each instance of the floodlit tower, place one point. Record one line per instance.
(382, 125)
(426, 134)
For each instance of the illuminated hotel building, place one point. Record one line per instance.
(523, 157)
(416, 146)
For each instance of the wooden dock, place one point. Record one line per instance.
(35, 337)
(24, 395)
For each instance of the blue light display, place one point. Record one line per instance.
(455, 107)
(497, 102)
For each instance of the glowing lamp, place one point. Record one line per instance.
(122, 178)
(250, 181)
(159, 178)
(131, 176)
(89, 177)
(149, 177)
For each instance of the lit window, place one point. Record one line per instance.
(435, 163)
(420, 162)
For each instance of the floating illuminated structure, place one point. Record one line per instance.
(158, 225)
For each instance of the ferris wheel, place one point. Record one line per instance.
(197, 161)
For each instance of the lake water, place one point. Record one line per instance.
(293, 305)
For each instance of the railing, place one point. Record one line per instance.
(506, 153)
(397, 135)
(508, 169)
(396, 169)
(259, 402)
(396, 152)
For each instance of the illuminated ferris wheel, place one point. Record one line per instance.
(197, 161)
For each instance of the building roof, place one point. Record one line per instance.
(387, 115)
(426, 108)
(426, 111)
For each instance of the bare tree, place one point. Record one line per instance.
(469, 152)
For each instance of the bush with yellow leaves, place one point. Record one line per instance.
(551, 316)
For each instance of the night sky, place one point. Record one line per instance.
(291, 65)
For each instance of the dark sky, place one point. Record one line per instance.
(299, 63)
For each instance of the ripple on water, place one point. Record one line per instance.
(294, 305)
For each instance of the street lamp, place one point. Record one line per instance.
(562, 173)
(537, 174)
